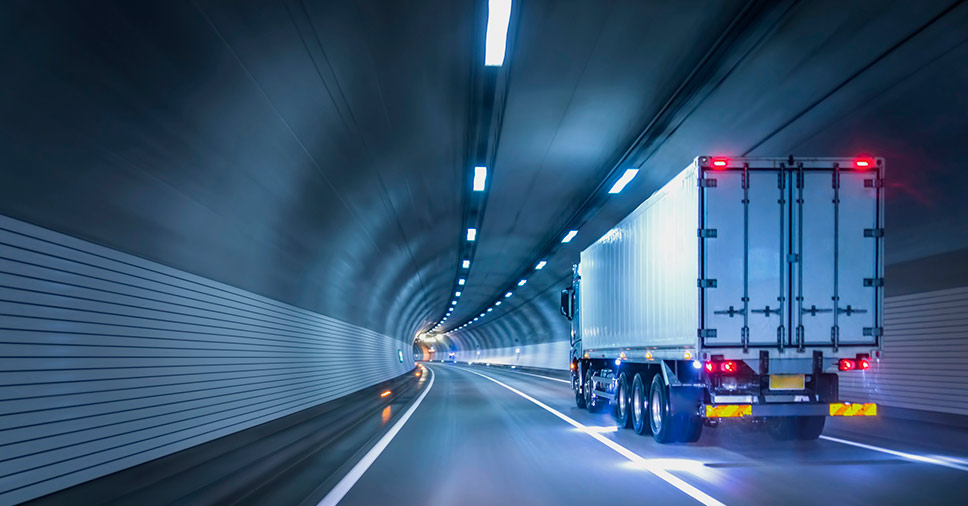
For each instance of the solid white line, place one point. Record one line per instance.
(642, 462)
(909, 456)
(336, 495)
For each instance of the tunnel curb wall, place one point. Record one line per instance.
(108, 360)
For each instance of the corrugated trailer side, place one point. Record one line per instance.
(638, 282)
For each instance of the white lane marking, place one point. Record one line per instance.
(336, 495)
(909, 456)
(636, 459)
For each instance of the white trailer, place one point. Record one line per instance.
(738, 290)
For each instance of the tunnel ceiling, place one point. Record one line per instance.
(319, 152)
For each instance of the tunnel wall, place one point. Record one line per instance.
(925, 347)
(109, 360)
(550, 355)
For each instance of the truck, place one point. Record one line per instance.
(737, 293)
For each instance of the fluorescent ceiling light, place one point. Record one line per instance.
(508, 295)
(624, 180)
(480, 175)
(466, 264)
(569, 236)
(498, 17)
(461, 281)
(482, 315)
(498, 303)
(490, 309)
(472, 234)
(456, 294)
(522, 282)
(453, 303)
(540, 265)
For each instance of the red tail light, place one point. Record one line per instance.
(864, 364)
(720, 162)
(847, 364)
(710, 366)
(728, 366)
(863, 163)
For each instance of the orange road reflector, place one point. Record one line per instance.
(384, 394)
(729, 410)
(853, 409)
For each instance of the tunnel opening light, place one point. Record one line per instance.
(480, 176)
(461, 281)
(508, 294)
(624, 180)
(720, 163)
(522, 282)
(495, 43)
(466, 264)
(540, 265)
(569, 236)
(472, 234)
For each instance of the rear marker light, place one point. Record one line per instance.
(863, 163)
(720, 162)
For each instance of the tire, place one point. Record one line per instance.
(800, 428)
(576, 386)
(621, 405)
(660, 415)
(690, 428)
(640, 408)
(594, 404)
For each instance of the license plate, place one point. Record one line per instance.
(787, 382)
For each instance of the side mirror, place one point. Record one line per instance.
(566, 303)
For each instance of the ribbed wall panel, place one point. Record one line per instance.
(108, 360)
(925, 349)
(550, 355)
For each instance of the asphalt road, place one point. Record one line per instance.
(487, 436)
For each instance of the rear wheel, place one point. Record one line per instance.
(660, 416)
(802, 428)
(690, 428)
(621, 404)
(639, 412)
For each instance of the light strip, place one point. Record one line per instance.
(624, 180)
(495, 44)
(540, 265)
(472, 234)
(480, 175)
(569, 236)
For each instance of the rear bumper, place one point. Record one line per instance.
(788, 409)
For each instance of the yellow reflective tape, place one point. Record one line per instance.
(853, 409)
(729, 411)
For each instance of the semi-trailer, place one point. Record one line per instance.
(738, 291)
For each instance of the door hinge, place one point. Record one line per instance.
(874, 331)
(707, 233)
(874, 183)
(873, 232)
(707, 283)
(707, 333)
(707, 183)
(873, 282)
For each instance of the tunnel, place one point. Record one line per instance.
(327, 252)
